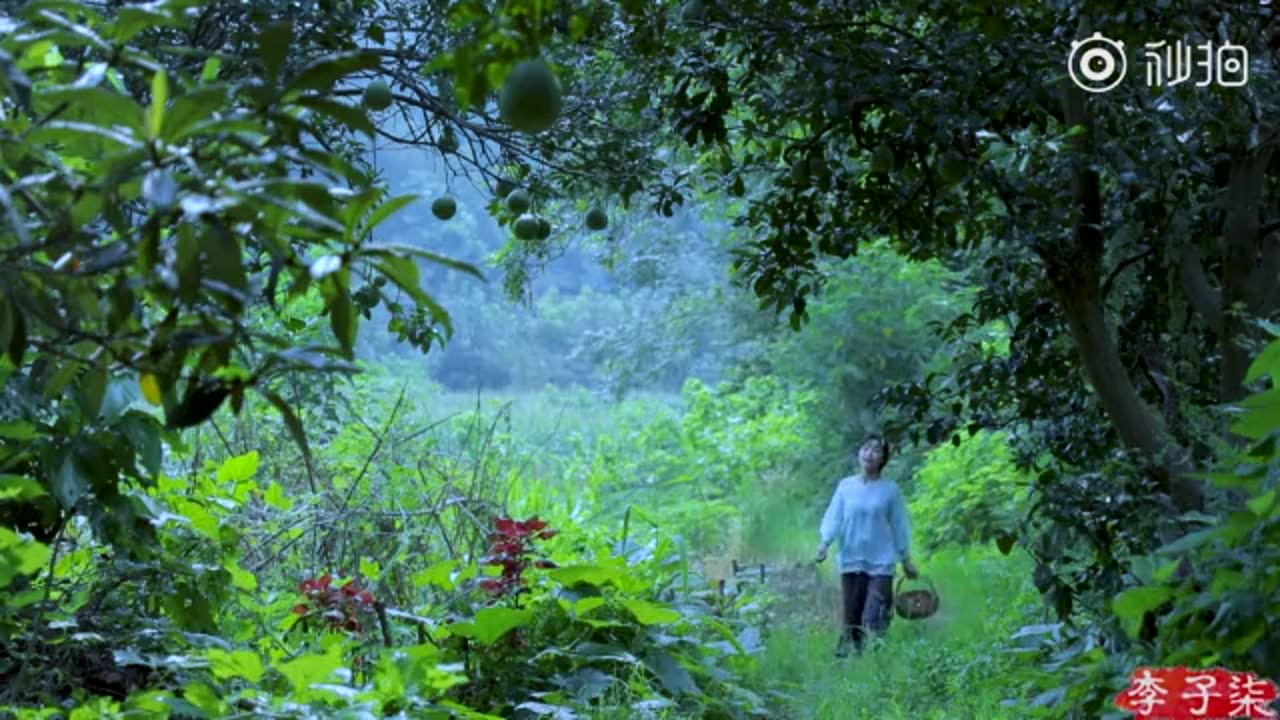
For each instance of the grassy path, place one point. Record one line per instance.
(949, 666)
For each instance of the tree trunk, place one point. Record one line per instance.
(1244, 251)
(1075, 273)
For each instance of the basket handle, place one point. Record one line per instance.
(898, 587)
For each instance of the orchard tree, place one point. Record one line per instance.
(1128, 238)
(178, 174)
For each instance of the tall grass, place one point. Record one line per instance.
(952, 665)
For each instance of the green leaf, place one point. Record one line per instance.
(343, 321)
(239, 468)
(17, 487)
(276, 497)
(647, 613)
(1267, 363)
(133, 19)
(144, 436)
(671, 673)
(212, 67)
(235, 664)
(307, 670)
(492, 623)
(19, 556)
(322, 73)
(398, 249)
(159, 99)
(273, 48)
(589, 574)
(349, 116)
(1134, 602)
(384, 211)
(18, 430)
(100, 106)
(1261, 415)
(188, 111)
(201, 401)
(93, 390)
(440, 575)
(1263, 505)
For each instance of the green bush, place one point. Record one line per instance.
(966, 493)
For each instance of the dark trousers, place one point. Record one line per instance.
(868, 607)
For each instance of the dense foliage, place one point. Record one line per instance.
(256, 258)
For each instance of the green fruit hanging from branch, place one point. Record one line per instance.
(597, 219)
(518, 202)
(377, 95)
(527, 227)
(531, 98)
(444, 207)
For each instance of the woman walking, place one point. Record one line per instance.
(869, 517)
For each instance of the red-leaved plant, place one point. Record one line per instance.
(339, 607)
(511, 546)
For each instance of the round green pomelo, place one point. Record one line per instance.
(444, 207)
(504, 187)
(531, 98)
(518, 202)
(544, 228)
(527, 227)
(377, 95)
(597, 218)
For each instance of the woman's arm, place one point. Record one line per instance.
(901, 526)
(831, 521)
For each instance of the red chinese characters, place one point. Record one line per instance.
(1190, 694)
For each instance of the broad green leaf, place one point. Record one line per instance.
(17, 487)
(673, 676)
(276, 497)
(590, 574)
(307, 670)
(322, 73)
(396, 249)
(492, 623)
(648, 613)
(343, 321)
(1261, 415)
(133, 19)
(273, 48)
(202, 697)
(100, 106)
(235, 664)
(349, 116)
(93, 390)
(18, 430)
(19, 556)
(210, 71)
(189, 609)
(1267, 363)
(1132, 603)
(1264, 505)
(159, 101)
(144, 435)
(384, 211)
(189, 111)
(439, 574)
(241, 467)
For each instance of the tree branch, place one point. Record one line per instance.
(1195, 283)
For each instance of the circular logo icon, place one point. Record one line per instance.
(1097, 63)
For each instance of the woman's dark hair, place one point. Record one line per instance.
(885, 448)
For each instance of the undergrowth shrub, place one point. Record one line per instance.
(967, 493)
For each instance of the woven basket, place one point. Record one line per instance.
(915, 604)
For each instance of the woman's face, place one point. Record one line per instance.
(871, 456)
